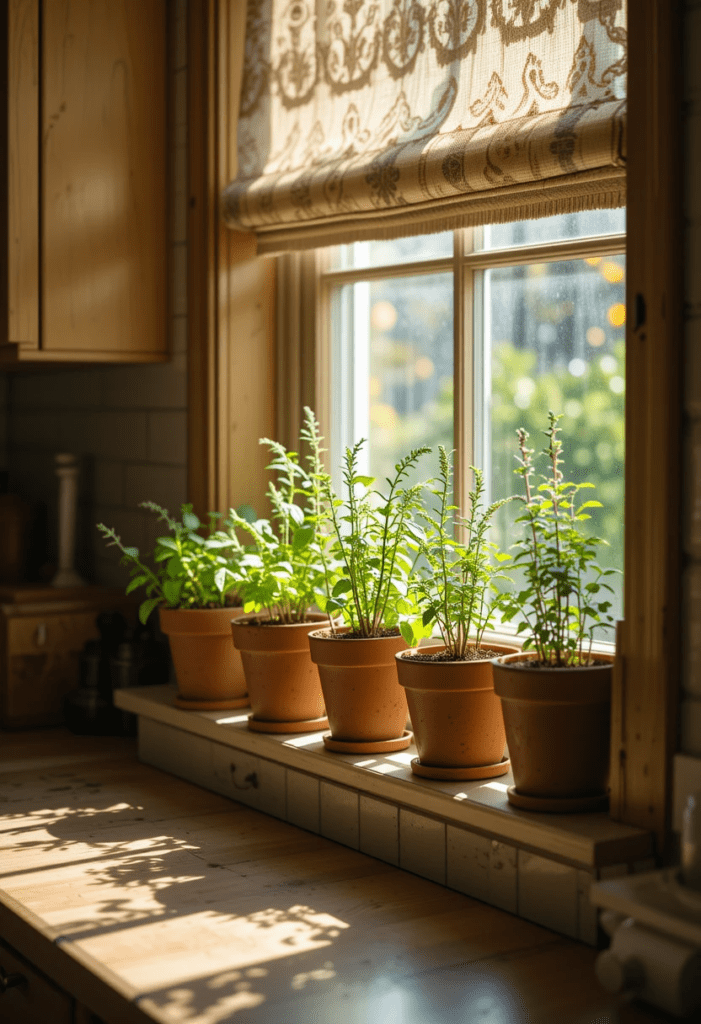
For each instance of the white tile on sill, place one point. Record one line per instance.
(547, 893)
(588, 914)
(422, 845)
(182, 754)
(482, 867)
(235, 774)
(339, 813)
(303, 800)
(271, 793)
(379, 829)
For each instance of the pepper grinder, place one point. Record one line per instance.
(67, 473)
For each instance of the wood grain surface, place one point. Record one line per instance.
(152, 899)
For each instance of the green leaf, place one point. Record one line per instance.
(407, 632)
(172, 590)
(145, 609)
(342, 587)
(138, 581)
(167, 542)
(175, 567)
(190, 521)
(302, 537)
(365, 481)
(131, 552)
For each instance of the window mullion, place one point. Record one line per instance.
(463, 388)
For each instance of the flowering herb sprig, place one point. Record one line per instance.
(370, 576)
(565, 596)
(285, 567)
(457, 579)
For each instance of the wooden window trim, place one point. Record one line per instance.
(236, 397)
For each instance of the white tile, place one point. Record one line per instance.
(690, 732)
(303, 800)
(165, 485)
(109, 482)
(379, 829)
(482, 867)
(167, 437)
(270, 793)
(692, 490)
(119, 435)
(339, 813)
(235, 774)
(180, 753)
(159, 386)
(588, 914)
(547, 893)
(422, 845)
(692, 364)
(691, 630)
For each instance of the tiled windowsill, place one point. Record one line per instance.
(463, 834)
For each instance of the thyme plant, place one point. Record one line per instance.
(458, 577)
(565, 597)
(190, 570)
(286, 565)
(370, 577)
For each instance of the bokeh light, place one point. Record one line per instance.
(383, 316)
(596, 337)
(617, 314)
(424, 368)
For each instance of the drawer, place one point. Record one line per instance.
(42, 634)
(37, 1000)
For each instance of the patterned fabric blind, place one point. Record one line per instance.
(378, 118)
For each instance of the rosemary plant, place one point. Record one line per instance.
(565, 596)
(369, 581)
(458, 577)
(190, 570)
(286, 566)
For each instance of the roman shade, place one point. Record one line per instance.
(380, 118)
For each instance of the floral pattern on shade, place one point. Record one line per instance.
(368, 118)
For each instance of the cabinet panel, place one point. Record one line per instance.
(36, 1000)
(22, 169)
(103, 177)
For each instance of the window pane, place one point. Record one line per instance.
(555, 229)
(393, 370)
(554, 339)
(396, 250)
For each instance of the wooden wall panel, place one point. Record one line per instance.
(104, 189)
(645, 698)
(231, 300)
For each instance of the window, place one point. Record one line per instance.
(460, 338)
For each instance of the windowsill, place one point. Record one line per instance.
(582, 840)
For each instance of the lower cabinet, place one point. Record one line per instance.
(28, 997)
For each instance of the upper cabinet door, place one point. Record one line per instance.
(19, 173)
(103, 179)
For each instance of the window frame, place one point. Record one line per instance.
(228, 412)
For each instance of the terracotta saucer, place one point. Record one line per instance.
(211, 705)
(307, 725)
(368, 746)
(478, 771)
(557, 804)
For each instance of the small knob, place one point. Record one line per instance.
(616, 975)
(10, 980)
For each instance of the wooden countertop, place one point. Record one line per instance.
(150, 899)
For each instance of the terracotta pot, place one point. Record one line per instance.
(365, 704)
(283, 683)
(558, 730)
(208, 670)
(455, 714)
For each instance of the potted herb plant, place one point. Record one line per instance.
(278, 580)
(556, 695)
(368, 584)
(455, 714)
(193, 584)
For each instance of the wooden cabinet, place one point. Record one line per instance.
(27, 996)
(83, 182)
(42, 632)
